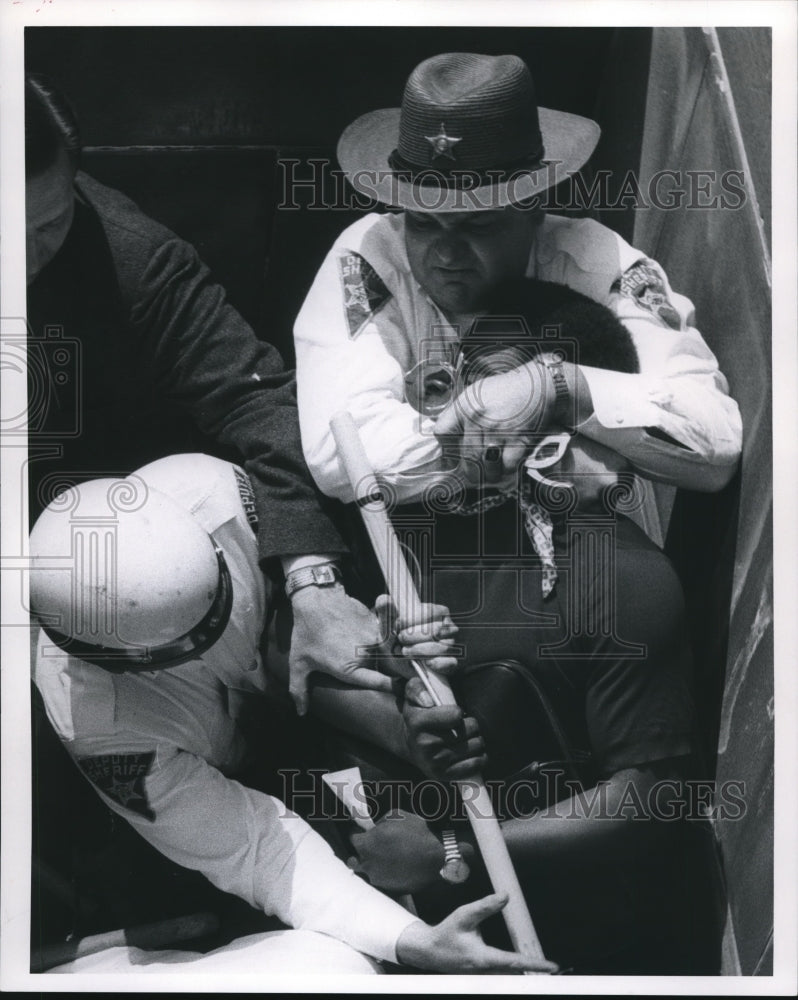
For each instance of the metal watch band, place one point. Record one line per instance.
(455, 869)
(562, 409)
(320, 575)
(450, 848)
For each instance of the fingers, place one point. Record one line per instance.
(483, 458)
(386, 613)
(298, 688)
(449, 422)
(466, 742)
(446, 666)
(429, 637)
(459, 764)
(416, 695)
(496, 960)
(446, 745)
(435, 718)
(366, 677)
(465, 770)
(469, 916)
(431, 621)
(424, 649)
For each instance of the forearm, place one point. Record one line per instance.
(619, 821)
(369, 715)
(684, 431)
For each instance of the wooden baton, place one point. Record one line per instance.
(402, 589)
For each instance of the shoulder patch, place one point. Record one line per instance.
(120, 776)
(364, 290)
(643, 283)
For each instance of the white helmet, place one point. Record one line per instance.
(123, 576)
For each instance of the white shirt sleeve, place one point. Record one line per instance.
(680, 393)
(250, 844)
(675, 420)
(360, 373)
(245, 842)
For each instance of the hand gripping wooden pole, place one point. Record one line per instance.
(402, 589)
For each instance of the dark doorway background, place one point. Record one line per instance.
(192, 123)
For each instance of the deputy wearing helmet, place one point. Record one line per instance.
(152, 606)
(162, 612)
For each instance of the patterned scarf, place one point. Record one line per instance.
(538, 524)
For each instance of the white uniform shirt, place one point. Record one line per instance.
(156, 746)
(365, 322)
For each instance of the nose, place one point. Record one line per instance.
(450, 249)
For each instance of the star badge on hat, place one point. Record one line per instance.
(509, 149)
(442, 144)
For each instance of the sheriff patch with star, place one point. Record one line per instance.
(364, 291)
(121, 776)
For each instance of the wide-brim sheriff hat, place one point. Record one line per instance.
(469, 135)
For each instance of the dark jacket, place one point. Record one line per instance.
(134, 349)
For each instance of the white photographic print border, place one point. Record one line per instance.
(16, 733)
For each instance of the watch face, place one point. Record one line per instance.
(324, 574)
(455, 871)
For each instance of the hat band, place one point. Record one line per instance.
(192, 644)
(460, 178)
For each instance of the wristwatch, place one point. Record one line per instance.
(320, 575)
(562, 412)
(455, 870)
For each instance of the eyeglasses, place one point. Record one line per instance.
(431, 384)
(545, 453)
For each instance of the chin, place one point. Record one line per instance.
(456, 300)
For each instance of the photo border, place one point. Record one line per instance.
(16, 736)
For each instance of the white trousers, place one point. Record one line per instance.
(273, 953)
